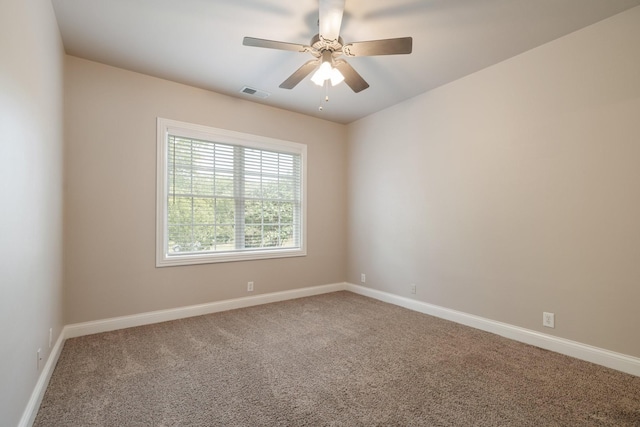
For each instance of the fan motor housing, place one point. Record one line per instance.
(321, 44)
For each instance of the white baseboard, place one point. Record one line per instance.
(30, 412)
(112, 324)
(621, 362)
(610, 359)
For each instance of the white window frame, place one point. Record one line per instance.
(166, 127)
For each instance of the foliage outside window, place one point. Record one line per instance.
(227, 196)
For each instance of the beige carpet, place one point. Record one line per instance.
(331, 360)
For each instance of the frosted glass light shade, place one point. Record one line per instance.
(323, 73)
(336, 77)
(326, 72)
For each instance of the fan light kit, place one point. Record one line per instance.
(327, 46)
(327, 71)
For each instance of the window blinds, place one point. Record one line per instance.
(230, 198)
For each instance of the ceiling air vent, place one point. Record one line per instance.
(255, 92)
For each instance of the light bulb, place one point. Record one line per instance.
(336, 77)
(323, 73)
(317, 78)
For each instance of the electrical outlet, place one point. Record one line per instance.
(413, 288)
(38, 358)
(249, 286)
(50, 337)
(548, 320)
(363, 278)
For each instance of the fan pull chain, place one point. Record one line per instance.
(326, 94)
(326, 91)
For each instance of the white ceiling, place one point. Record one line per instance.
(199, 42)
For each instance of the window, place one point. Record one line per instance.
(227, 196)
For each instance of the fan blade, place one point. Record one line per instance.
(330, 18)
(300, 74)
(351, 76)
(270, 44)
(397, 46)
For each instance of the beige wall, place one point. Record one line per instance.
(31, 64)
(513, 191)
(110, 131)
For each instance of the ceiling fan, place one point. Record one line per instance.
(327, 46)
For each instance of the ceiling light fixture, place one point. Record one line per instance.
(327, 71)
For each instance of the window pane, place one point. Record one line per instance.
(286, 236)
(225, 238)
(179, 239)
(204, 211)
(271, 236)
(223, 184)
(270, 187)
(202, 183)
(286, 213)
(180, 210)
(271, 212)
(225, 211)
(252, 236)
(253, 187)
(253, 212)
(286, 189)
(203, 237)
(180, 180)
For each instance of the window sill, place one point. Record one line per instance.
(164, 260)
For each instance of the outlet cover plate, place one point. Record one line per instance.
(548, 320)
